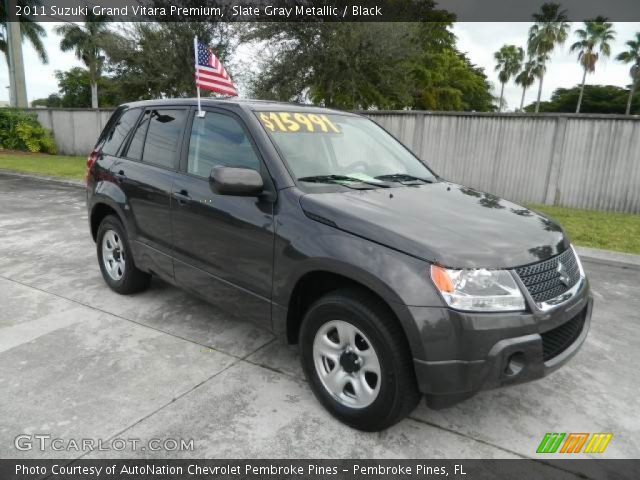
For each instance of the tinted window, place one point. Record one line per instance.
(161, 147)
(110, 123)
(219, 139)
(119, 131)
(137, 142)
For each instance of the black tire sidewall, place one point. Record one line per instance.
(376, 414)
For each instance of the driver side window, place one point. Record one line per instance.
(219, 139)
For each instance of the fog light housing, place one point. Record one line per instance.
(515, 364)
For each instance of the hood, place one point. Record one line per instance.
(445, 223)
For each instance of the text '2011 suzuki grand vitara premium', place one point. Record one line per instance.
(322, 227)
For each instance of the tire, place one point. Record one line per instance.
(389, 395)
(115, 259)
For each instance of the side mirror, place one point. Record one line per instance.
(244, 182)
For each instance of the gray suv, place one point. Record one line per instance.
(322, 227)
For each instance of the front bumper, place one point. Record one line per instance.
(468, 352)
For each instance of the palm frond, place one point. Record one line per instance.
(33, 32)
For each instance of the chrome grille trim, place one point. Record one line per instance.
(550, 285)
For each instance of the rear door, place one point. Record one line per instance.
(223, 245)
(145, 171)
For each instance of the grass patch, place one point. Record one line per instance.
(53, 165)
(592, 228)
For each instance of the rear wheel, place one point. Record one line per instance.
(116, 262)
(357, 360)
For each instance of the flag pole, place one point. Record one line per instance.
(195, 53)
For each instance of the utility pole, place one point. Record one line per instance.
(17, 85)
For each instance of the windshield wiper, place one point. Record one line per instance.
(403, 178)
(339, 179)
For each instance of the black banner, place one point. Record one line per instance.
(522, 469)
(317, 10)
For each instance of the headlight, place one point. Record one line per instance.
(479, 290)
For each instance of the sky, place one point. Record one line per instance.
(478, 40)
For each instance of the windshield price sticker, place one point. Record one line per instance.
(292, 122)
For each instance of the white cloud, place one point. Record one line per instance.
(481, 40)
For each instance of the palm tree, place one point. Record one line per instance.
(551, 28)
(632, 56)
(532, 69)
(29, 30)
(595, 35)
(88, 42)
(509, 61)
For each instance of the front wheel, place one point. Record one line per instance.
(357, 360)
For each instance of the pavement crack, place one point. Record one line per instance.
(498, 447)
(460, 434)
(162, 407)
(183, 394)
(149, 415)
(269, 367)
(237, 361)
(159, 330)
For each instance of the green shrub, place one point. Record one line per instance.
(20, 130)
(48, 144)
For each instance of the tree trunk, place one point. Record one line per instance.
(539, 94)
(634, 83)
(93, 82)
(501, 98)
(94, 94)
(584, 79)
(524, 90)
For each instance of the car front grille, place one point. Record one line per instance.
(544, 280)
(556, 341)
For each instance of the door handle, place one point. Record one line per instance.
(182, 196)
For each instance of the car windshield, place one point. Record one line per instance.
(342, 149)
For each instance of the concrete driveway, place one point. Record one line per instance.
(79, 362)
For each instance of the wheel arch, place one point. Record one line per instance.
(99, 211)
(315, 283)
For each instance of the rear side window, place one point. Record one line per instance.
(163, 137)
(134, 151)
(218, 139)
(119, 131)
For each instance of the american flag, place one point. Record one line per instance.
(210, 74)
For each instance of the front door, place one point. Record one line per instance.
(223, 245)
